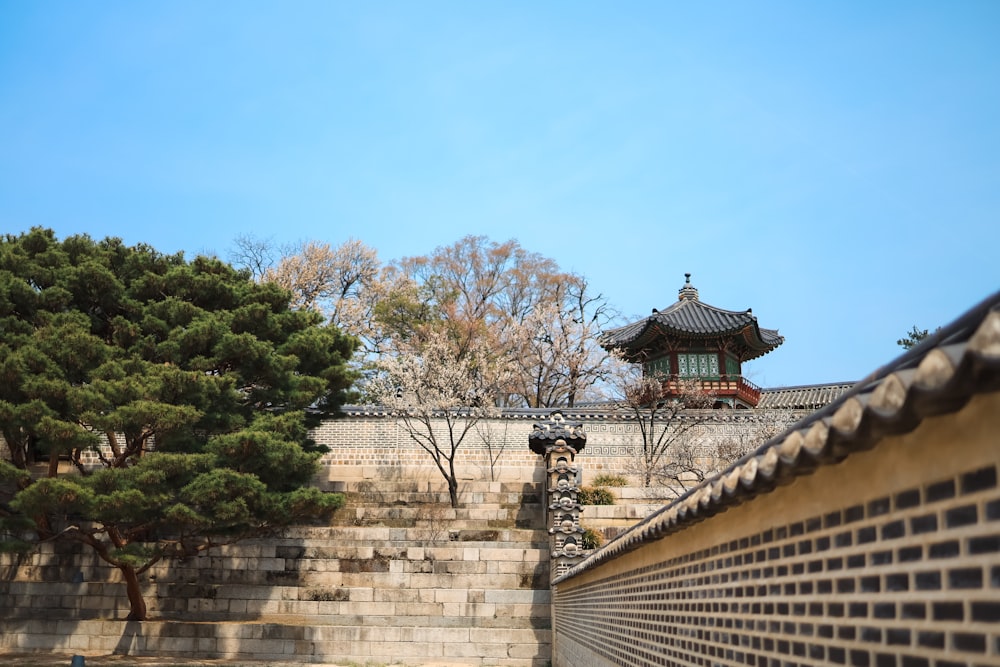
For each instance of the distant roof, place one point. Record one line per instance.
(691, 319)
(938, 376)
(803, 397)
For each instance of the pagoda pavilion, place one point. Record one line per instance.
(692, 340)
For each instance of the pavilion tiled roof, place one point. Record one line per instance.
(938, 376)
(804, 397)
(690, 318)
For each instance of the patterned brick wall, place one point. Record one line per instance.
(373, 446)
(891, 557)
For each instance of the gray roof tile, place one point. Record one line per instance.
(691, 318)
(805, 397)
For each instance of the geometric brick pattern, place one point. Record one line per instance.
(908, 580)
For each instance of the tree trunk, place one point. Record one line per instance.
(452, 479)
(136, 602)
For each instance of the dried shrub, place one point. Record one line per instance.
(595, 495)
(591, 539)
(610, 480)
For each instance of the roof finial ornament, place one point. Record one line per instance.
(689, 291)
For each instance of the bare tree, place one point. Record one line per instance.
(256, 255)
(670, 413)
(521, 304)
(483, 289)
(495, 439)
(325, 278)
(346, 283)
(483, 293)
(439, 395)
(759, 426)
(562, 363)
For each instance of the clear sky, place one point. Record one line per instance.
(833, 165)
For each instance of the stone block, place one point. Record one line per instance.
(271, 564)
(285, 592)
(518, 597)
(491, 652)
(529, 650)
(244, 592)
(324, 579)
(516, 567)
(469, 610)
(258, 647)
(342, 650)
(261, 607)
(451, 595)
(502, 554)
(502, 635)
(422, 581)
(374, 608)
(418, 609)
(446, 553)
(384, 634)
(523, 610)
(175, 645)
(409, 650)
(462, 567)
(398, 595)
(361, 594)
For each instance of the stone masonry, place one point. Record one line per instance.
(400, 577)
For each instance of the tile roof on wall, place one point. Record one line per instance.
(803, 397)
(936, 377)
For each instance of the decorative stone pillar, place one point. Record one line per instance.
(559, 442)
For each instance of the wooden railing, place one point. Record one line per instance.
(727, 385)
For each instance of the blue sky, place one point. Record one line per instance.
(833, 165)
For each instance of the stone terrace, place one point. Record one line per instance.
(400, 577)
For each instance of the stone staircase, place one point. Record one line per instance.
(399, 577)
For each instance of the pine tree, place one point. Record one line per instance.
(193, 386)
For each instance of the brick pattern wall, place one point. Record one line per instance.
(888, 558)
(909, 579)
(372, 447)
(377, 447)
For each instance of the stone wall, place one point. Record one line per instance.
(400, 577)
(890, 557)
(367, 444)
(371, 445)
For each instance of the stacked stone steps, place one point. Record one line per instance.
(396, 542)
(432, 584)
(401, 574)
(438, 583)
(632, 505)
(527, 517)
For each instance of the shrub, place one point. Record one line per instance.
(591, 539)
(591, 495)
(610, 480)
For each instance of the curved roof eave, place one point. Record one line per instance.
(703, 321)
